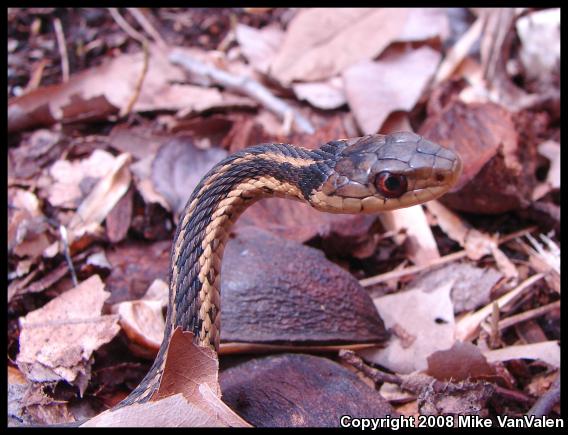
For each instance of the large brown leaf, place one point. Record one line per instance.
(299, 390)
(275, 290)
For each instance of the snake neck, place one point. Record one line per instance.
(205, 224)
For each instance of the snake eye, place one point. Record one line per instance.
(391, 185)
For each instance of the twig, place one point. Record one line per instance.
(527, 315)
(62, 49)
(142, 40)
(147, 26)
(244, 85)
(67, 253)
(494, 336)
(378, 377)
(412, 269)
(128, 108)
(439, 261)
(517, 396)
(546, 402)
(36, 76)
(468, 324)
(128, 29)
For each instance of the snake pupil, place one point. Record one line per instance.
(391, 185)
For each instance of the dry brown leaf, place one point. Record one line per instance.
(460, 362)
(190, 100)
(142, 172)
(142, 320)
(104, 196)
(295, 390)
(33, 153)
(188, 396)
(173, 411)
(536, 30)
(57, 341)
(427, 317)
(472, 287)
(547, 351)
(201, 385)
(259, 45)
(498, 174)
(178, 168)
(31, 405)
(69, 175)
(183, 353)
(118, 220)
(135, 266)
(320, 43)
(314, 303)
(426, 23)
(325, 95)
(98, 92)
(376, 89)
(26, 224)
(420, 244)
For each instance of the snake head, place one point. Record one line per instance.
(377, 173)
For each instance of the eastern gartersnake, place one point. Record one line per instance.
(363, 175)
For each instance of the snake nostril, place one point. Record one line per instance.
(440, 178)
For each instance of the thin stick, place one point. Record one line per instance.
(377, 376)
(62, 49)
(527, 315)
(147, 26)
(412, 269)
(494, 336)
(123, 24)
(468, 324)
(244, 85)
(128, 108)
(366, 282)
(67, 253)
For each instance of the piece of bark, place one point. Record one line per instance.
(299, 390)
(277, 291)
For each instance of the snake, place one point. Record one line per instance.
(369, 174)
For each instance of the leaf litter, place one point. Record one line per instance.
(470, 282)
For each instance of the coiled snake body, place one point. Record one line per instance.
(363, 175)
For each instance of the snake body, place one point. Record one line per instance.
(362, 175)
